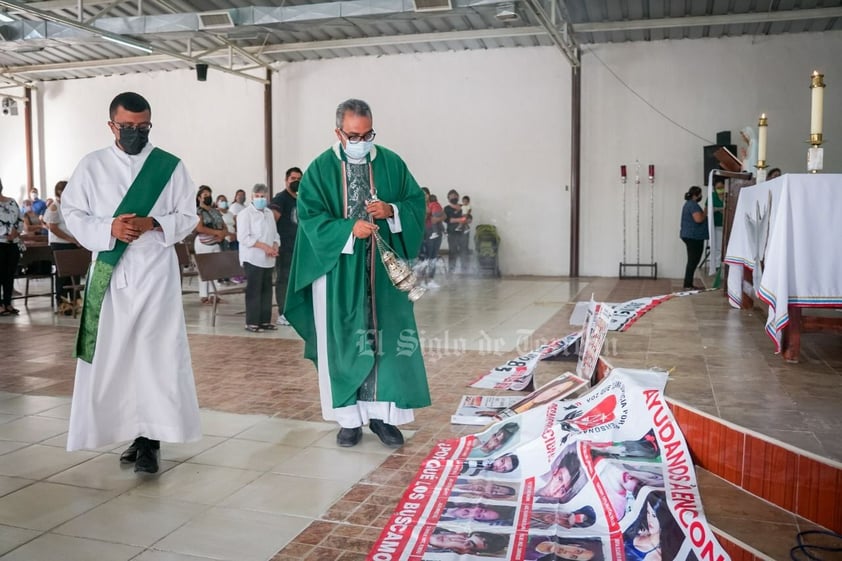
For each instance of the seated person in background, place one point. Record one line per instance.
(32, 225)
(39, 207)
(230, 241)
(773, 173)
(60, 240)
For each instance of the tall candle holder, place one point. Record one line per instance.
(762, 124)
(815, 154)
(633, 270)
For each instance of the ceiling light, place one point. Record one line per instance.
(127, 44)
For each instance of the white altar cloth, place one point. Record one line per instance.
(803, 254)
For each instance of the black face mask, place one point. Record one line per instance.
(294, 186)
(133, 140)
(207, 201)
(454, 200)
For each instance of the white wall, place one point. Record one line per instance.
(216, 127)
(12, 149)
(491, 124)
(706, 86)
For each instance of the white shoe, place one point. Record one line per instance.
(432, 284)
(281, 320)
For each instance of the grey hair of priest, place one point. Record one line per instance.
(260, 188)
(354, 106)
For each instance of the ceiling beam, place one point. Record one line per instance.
(127, 40)
(291, 48)
(554, 17)
(59, 5)
(407, 39)
(697, 21)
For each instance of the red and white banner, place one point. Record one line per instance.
(606, 476)
(517, 373)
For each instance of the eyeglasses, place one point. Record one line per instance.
(142, 127)
(353, 139)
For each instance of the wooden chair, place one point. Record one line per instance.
(73, 263)
(27, 266)
(221, 265)
(185, 265)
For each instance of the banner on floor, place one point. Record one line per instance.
(625, 314)
(593, 337)
(516, 374)
(606, 476)
(482, 410)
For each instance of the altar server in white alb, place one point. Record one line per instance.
(128, 204)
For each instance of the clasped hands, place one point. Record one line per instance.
(269, 250)
(129, 227)
(377, 210)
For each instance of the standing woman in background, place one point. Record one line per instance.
(259, 242)
(211, 231)
(11, 225)
(694, 232)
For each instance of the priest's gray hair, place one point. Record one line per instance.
(356, 107)
(260, 188)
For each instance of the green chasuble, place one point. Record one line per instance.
(371, 327)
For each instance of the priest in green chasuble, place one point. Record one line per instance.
(358, 329)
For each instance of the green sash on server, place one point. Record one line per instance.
(139, 200)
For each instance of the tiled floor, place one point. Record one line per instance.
(268, 475)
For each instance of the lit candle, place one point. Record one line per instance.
(762, 126)
(623, 173)
(817, 89)
(651, 171)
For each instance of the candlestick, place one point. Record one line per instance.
(651, 172)
(815, 154)
(762, 130)
(817, 108)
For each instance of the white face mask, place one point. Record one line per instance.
(358, 150)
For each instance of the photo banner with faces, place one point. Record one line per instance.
(604, 477)
(516, 374)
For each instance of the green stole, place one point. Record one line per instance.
(139, 199)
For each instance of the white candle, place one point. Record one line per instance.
(761, 138)
(817, 106)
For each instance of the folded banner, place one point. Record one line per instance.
(606, 476)
(624, 315)
(517, 373)
(593, 337)
(482, 410)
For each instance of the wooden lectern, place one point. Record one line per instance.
(735, 180)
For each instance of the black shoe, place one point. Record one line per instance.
(349, 437)
(129, 455)
(388, 434)
(147, 455)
